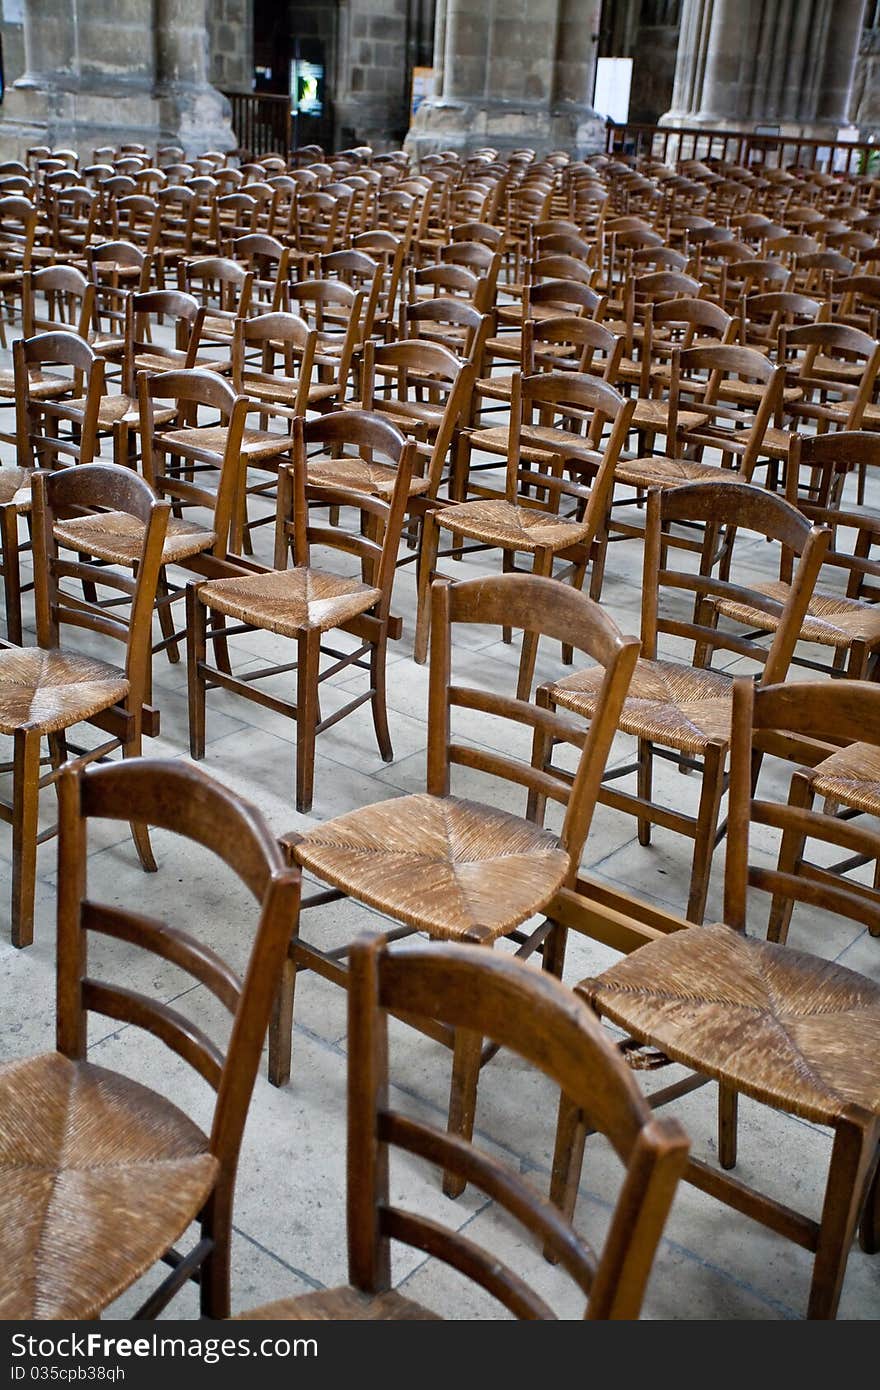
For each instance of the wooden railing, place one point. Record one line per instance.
(262, 122)
(671, 143)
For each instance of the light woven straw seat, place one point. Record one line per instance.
(538, 443)
(120, 410)
(47, 690)
(851, 777)
(343, 1304)
(290, 601)
(439, 863)
(654, 415)
(255, 444)
(778, 1024)
(498, 522)
(495, 388)
(15, 487)
(832, 620)
(665, 472)
(43, 386)
(106, 343)
(117, 537)
(80, 1147)
(359, 475)
(680, 706)
(170, 360)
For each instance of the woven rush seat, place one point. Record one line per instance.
(171, 361)
(43, 386)
(780, 1025)
(107, 342)
(850, 776)
(50, 690)
(117, 537)
(439, 863)
(538, 443)
(654, 415)
(255, 444)
(80, 1146)
(15, 488)
(342, 1304)
(832, 620)
(660, 471)
(290, 601)
(377, 479)
(683, 707)
(120, 410)
(495, 388)
(498, 522)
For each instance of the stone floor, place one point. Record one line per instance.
(290, 1209)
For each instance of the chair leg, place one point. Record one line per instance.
(281, 1024)
(11, 573)
(214, 1280)
(166, 617)
(791, 851)
(851, 1159)
(462, 1097)
(427, 563)
(568, 1158)
(553, 954)
(869, 1229)
(543, 565)
(728, 1109)
(707, 826)
(378, 701)
(307, 716)
(645, 780)
(25, 807)
(196, 655)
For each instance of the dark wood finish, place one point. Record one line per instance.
(535, 1015)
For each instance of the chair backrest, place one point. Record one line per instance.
(801, 722)
(836, 346)
(178, 797)
(99, 487)
(287, 349)
(68, 296)
(546, 1025)
(726, 511)
(37, 420)
(468, 329)
(565, 297)
(592, 421)
(591, 347)
(376, 540)
(705, 379)
(191, 389)
(447, 383)
(546, 607)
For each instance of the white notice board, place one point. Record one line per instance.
(613, 82)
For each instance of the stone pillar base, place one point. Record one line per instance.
(464, 126)
(195, 117)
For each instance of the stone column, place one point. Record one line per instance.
(746, 63)
(192, 113)
(100, 72)
(511, 73)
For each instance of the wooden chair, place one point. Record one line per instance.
(48, 688)
(335, 311)
(308, 602)
(18, 231)
(437, 864)
(513, 1007)
(115, 1171)
(224, 289)
(679, 711)
(810, 1045)
(847, 625)
(549, 467)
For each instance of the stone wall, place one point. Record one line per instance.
(230, 44)
(372, 96)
